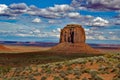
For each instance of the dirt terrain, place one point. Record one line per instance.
(38, 63)
(20, 49)
(105, 67)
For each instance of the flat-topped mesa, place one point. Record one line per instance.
(72, 33)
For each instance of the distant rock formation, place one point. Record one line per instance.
(72, 40)
(72, 33)
(3, 48)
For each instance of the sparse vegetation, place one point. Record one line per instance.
(66, 68)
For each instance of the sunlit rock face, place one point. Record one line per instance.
(72, 33)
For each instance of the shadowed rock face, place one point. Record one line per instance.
(72, 33)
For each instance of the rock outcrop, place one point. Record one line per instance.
(72, 40)
(72, 33)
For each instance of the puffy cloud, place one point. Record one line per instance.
(98, 21)
(98, 4)
(20, 6)
(114, 38)
(37, 20)
(51, 21)
(12, 18)
(13, 29)
(37, 31)
(74, 15)
(3, 7)
(44, 13)
(61, 8)
(56, 30)
(14, 9)
(57, 11)
(117, 22)
(98, 34)
(23, 35)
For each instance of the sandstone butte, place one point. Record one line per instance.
(72, 40)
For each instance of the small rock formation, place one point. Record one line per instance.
(72, 40)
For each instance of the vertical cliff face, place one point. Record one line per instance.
(72, 33)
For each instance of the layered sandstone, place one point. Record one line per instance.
(72, 33)
(72, 40)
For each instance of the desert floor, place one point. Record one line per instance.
(37, 63)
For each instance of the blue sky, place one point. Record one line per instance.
(38, 20)
(38, 3)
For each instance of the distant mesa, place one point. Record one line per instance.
(72, 40)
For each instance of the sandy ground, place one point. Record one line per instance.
(19, 49)
(110, 50)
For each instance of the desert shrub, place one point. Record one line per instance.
(48, 71)
(84, 78)
(86, 70)
(118, 65)
(59, 66)
(56, 78)
(36, 74)
(62, 74)
(93, 73)
(43, 78)
(77, 72)
(31, 76)
(114, 70)
(98, 78)
(69, 68)
(66, 78)
(108, 55)
(13, 78)
(116, 79)
(70, 72)
(77, 76)
(4, 70)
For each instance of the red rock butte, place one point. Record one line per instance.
(72, 40)
(72, 33)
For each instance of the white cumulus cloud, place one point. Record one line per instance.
(98, 21)
(74, 15)
(37, 20)
(97, 4)
(3, 7)
(61, 8)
